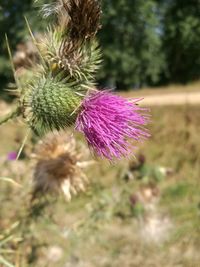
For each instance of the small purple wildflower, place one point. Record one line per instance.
(109, 123)
(12, 156)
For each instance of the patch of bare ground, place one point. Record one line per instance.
(171, 95)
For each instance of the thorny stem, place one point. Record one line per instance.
(13, 114)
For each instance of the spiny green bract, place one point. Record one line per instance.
(81, 60)
(50, 104)
(52, 99)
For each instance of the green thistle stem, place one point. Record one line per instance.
(13, 114)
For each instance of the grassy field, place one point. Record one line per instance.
(144, 212)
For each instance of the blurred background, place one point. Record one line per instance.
(144, 43)
(142, 212)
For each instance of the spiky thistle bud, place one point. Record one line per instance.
(51, 104)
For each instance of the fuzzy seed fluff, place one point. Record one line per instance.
(59, 165)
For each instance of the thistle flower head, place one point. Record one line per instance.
(110, 123)
(59, 166)
(59, 94)
(12, 156)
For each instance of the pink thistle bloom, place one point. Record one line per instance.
(12, 156)
(110, 123)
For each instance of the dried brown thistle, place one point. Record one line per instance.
(83, 23)
(84, 18)
(59, 166)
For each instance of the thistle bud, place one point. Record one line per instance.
(50, 104)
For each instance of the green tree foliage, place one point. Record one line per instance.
(145, 42)
(131, 42)
(12, 23)
(182, 40)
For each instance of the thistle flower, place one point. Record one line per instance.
(12, 156)
(110, 123)
(61, 92)
(59, 165)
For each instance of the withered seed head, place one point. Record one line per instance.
(58, 167)
(84, 18)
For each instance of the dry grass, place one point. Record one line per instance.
(173, 88)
